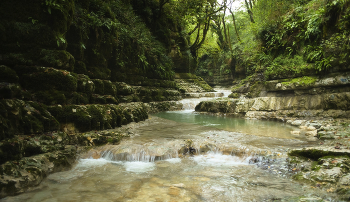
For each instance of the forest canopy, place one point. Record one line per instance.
(277, 39)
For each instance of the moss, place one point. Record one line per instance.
(8, 75)
(304, 81)
(51, 97)
(77, 98)
(110, 99)
(10, 91)
(315, 166)
(185, 76)
(98, 72)
(98, 99)
(85, 84)
(13, 59)
(200, 82)
(99, 86)
(41, 113)
(234, 95)
(255, 89)
(50, 78)
(80, 67)
(59, 59)
(109, 88)
(124, 89)
(315, 154)
(97, 116)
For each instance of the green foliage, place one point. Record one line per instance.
(286, 67)
(305, 80)
(51, 4)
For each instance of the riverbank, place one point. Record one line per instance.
(153, 163)
(322, 116)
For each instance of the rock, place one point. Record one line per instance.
(297, 122)
(174, 191)
(318, 152)
(316, 125)
(295, 132)
(311, 133)
(32, 170)
(327, 175)
(310, 199)
(323, 135)
(310, 128)
(345, 180)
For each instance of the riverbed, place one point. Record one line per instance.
(232, 160)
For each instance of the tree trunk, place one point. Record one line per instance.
(249, 11)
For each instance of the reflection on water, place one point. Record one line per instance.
(252, 127)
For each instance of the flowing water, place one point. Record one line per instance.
(232, 160)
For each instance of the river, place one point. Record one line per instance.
(232, 160)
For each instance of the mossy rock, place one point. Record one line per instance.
(25, 117)
(59, 59)
(77, 98)
(255, 89)
(315, 153)
(234, 95)
(96, 72)
(50, 97)
(10, 91)
(85, 84)
(88, 117)
(13, 59)
(80, 67)
(185, 76)
(109, 88)
(50, 78)
(23, 70)
(8, 75)
(99, 86)
(124, 89)
(11, 149)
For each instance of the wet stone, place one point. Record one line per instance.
(345, 180)
(328, 175)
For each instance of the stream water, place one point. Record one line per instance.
(235, 160)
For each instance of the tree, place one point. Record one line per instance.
(249, 7)
(207, 12)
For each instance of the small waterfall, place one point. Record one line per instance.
(134, 152)
(194, 99)
(166, 151)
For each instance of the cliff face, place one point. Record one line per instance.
(73, 66)
(57, 55)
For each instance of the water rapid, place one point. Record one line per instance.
(184, 156)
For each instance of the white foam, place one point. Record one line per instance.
(85, 164)
(139, 166)
(174, 160)
(212, 124)
(216, 159)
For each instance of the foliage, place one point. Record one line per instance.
(291, 38)
(126, 42)
(286, 67)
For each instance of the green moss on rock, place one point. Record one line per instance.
(59, 59)
(50, 78)
(8, 75)
(99, 86)
(302, 81)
